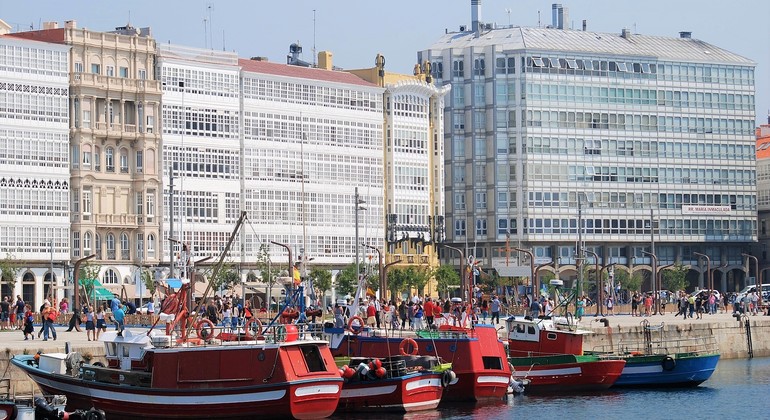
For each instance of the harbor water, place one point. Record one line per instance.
(739, 388)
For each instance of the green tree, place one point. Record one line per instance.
(632, 283)
(322, 280)
(267, 270)
(419, 278)
(87, 276)
(446, 276)
(397, 281)
(149, 282)
(347, 282)
(675, 278)
(225, 278)
(9, 269)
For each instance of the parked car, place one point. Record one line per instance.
(752, 288)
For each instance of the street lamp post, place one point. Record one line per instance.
(357, 202)
(654, 277)
(708, 269)
(380, 269)
(53, 282)
(600, 306)
(462, 268)
(596, 270)
(535, 286)
(758, 279)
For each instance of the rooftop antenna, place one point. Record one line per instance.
(507, 10)
(129, 18)
(205, 32)
(538, 18)
(314, 53)
(223, 40)
(210, 7)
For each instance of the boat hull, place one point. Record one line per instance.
(577, 376)
(475, 380)
(656, 371)
(413, 392)
(310, 399)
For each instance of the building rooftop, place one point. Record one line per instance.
(683, 48)
(266, 67)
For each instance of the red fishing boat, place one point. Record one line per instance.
(270, 374)
(394, 384)
(549, 353)
(477, 356)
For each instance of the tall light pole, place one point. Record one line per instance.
(758, 279)
(600, 306)
(357, 202)
(535, 286)
(596, 270)
(580, 256)
(654, 278)
(708, 268)
(462, 268)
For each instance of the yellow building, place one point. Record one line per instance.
(414, 165)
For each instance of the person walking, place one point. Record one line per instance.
(580, 308)
(101, 324)
(49, 315)
(494, 306)
(402, 313)
(339, 316)
(5, 313)
(418, 315)
(534, 309)
(28, 318)
(21, 308)
(90, 326)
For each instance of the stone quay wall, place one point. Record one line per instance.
(730, 336)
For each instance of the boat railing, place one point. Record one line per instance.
(675, 345)
(207, 334)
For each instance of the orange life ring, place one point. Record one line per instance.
(405, 343)
(247, 328)
(360, 322)
(199, 328)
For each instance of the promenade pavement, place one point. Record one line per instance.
(13, 341)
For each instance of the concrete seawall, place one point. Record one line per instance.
(729, 334)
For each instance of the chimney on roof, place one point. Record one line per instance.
(475, 15)
(325, 60)
(258, 58)
(625, 33)
(685, 34)
(70, 24)
(50, 25)
(559, 15)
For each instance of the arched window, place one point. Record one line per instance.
(110, 246)
(151, 246)
(109, 159)
(87, 243)
(123, 161)
(125, 249)
(110, 277)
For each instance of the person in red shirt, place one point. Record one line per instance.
(371, 313)
(428, 309)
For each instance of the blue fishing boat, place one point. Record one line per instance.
(657, 361)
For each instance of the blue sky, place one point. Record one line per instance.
(356, 30)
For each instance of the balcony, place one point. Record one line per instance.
(121, 84)
(117, 220)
